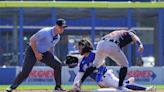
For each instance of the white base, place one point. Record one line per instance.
(107, 90)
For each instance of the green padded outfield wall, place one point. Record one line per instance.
(57, 4)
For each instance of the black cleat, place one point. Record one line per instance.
(9, 89)
(59, 89)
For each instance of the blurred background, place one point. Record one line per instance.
(18, 24)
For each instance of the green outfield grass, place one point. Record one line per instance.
(51, 87)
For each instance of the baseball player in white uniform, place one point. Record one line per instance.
(105, 78)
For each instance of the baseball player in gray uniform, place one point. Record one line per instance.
(110, 46)
(41, 48)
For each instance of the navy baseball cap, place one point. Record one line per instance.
(61, 22)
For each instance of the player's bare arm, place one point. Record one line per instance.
(33, 46)
(138, 42)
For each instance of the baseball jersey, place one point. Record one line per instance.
(86, 62)
(123, 37)
(45, 38)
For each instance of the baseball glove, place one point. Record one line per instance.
(71, 61)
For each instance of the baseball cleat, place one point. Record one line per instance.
(9, 89)
(59, 89)
(151, 89)
(131, 80)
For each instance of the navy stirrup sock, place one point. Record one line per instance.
(122, 75)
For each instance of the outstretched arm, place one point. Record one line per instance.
(88, 72)
(77, 81)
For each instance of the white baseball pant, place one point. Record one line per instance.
(105, 49)
(109, 80)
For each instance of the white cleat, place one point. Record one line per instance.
(151, 89)
(131, 80)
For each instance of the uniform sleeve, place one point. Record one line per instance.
(81, 67)
(85, 65)
(40, 35)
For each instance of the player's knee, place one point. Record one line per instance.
(57, 65)
(125, 64)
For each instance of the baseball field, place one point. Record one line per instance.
(49, 88)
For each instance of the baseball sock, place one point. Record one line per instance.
(122, 75)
